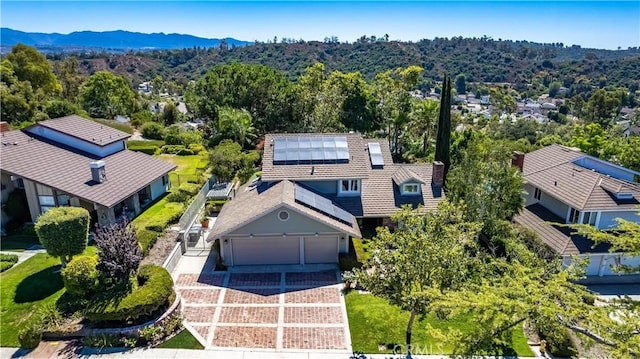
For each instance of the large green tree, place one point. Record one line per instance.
(236, 125)
(31, 66)
(106, 95)
(425, 257)
(261, 90)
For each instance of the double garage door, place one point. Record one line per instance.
(284, 250)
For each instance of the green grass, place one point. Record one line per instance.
(117, 125)
(190, 168)
(373, 322)
(28, 286)
(184, 340)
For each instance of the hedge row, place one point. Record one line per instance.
(150, 150)
(184, 192)
(170, 214)
(147, 239)
(181, 150)
(155, 290)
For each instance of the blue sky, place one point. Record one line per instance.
(586, 23)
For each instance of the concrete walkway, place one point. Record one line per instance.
(28, 253)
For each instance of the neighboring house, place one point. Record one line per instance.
(315, 191)
(72, 161)
(566, 186)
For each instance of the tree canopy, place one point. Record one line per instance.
(63, 231)
(105, 95)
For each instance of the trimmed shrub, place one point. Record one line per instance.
(170, 214)
(185, 152)
(13, 258)
(172, 149)
(138, 143)
(152, 130)
(150, 150)
(6, 265)
(147, 239)
(190, 188)
(155, 290)
(80, 277)
(196, 148)
(63, 231)
(178, 197)
(30, 335)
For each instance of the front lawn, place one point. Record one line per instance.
(30, 285)
(374, 323)
(184, 340)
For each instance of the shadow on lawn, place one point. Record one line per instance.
(39, 285)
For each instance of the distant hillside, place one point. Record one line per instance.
(109, 40)
(518, 62)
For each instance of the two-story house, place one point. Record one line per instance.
(314, 191)
(72, 161)
(566, 186)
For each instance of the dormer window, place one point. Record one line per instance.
(350, 187)
(410, 189)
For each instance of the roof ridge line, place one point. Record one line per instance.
(593, 188)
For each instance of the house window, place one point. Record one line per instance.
(20, 183)
(410, 188)
(537, 193)
(63, 200)
(349, 187)
(165, 180)
(574, 214)
(46, 197)
(589, 218)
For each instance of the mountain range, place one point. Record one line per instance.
(118, 39)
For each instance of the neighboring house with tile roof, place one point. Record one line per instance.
(566, 186)
(72, 161)
(315, 192)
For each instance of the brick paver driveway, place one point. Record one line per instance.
(282, 311)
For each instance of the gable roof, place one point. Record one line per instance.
(85, 129)
(552, 169)
(357, 166)
(256, 200)
(559, 238)
(403, 175)
(67, 170)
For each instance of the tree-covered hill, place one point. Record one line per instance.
(480, 59)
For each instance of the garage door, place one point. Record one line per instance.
(270, 250)
(320, 249)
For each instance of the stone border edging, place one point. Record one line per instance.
(126, 330)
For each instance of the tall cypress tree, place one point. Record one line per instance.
(443, 137)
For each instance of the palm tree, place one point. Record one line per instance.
(423, 120)
(237, 125)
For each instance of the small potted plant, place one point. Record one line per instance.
(204, 220)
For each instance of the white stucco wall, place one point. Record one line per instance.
(101, 151)
(157, 189)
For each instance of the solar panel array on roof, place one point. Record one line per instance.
(310, 149)
(321, 204)
(375, 154)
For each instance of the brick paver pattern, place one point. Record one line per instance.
(245, 337)
(244, 310)
(313, 338)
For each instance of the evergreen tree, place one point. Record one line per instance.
(443, 136)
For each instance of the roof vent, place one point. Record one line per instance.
(98, 171)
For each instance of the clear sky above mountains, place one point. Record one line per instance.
(587, 23)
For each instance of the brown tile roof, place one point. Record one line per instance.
(552, 170)
(357, 167)
(380, 196)
(84, 129)
(68, 171)
(559, 238)
(254, 201)
(404, 174)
